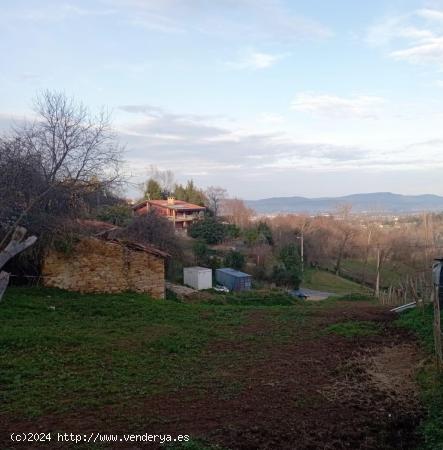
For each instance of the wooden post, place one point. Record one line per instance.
(377, 280)
(302, 254)
(437, 330)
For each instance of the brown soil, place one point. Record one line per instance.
(313, 391)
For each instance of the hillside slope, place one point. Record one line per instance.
(381, 202)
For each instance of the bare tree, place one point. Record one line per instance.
(48, 167)
(343, 211)
(346, 233)
(65, 149)
(73, 145)
(215, 196)
(236, 212)
(165, 178)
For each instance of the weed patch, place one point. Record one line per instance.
(420, 320)
(354, 328)
(258, 298)
(356, 297)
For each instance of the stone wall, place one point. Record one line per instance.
(97, 265)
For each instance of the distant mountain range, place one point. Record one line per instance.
(377, 202)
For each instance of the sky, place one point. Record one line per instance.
(263, 97)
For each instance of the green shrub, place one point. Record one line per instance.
(65, 243)
(288, 271)
(234, 259)
(260, 234)
(201, 252)
(209, 229)
(119, 215)
(232, 231)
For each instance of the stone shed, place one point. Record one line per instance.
(101, 265)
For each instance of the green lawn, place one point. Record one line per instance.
(326, 281)
(61, 351)
(420, 322)
(390, 273)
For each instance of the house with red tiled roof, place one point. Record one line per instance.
(181, 214)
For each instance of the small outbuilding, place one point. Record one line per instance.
(234, 280)
(104, 265)
(198, 277)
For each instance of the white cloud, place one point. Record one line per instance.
(186, 142)
(395, 28)
(426, 51)
(362, 106)
(190, 144)
(158, 22)
(198, 146)
(254, 60)
(431, 14)
(416, 37)
(271, 119)
(55, 12)
(253, 20)
(160, 124)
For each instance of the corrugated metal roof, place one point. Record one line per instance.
(233, 272)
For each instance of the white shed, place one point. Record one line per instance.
(198, 277)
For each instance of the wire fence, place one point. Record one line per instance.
(417, 289)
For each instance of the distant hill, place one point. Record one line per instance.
(378, 202)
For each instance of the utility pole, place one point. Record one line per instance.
(377, 280)
(302, 253)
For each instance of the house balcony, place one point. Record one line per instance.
(185, 218)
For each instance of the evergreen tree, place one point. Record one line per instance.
(153, 190)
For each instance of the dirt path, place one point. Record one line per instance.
(305, 390)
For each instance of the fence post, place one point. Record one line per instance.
(437, 330)
(377, 279)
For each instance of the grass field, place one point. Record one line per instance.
(252, 371)
(326, 281)
(390, 273)
(53, 341)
